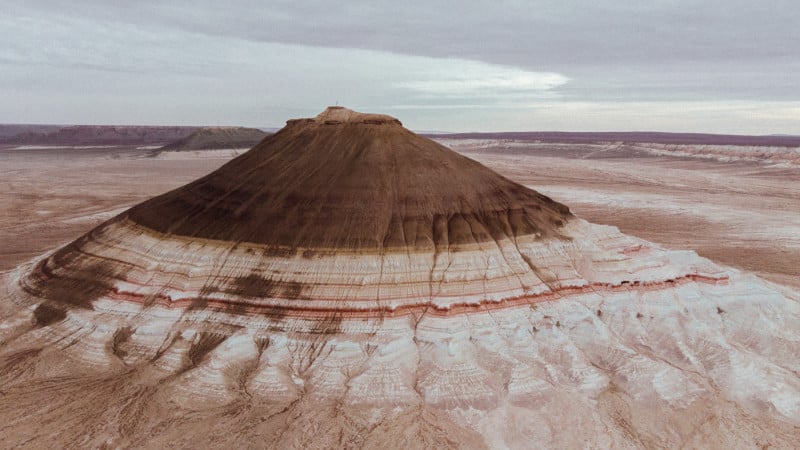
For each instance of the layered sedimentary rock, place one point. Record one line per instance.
(347, 283)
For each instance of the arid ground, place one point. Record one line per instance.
(741, 213)
(621, 365)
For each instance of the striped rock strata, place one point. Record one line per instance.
(347, 283)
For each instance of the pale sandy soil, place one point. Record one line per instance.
(741, 214)
(52, 196)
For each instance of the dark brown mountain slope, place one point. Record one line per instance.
(351, 180)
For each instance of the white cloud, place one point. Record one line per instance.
(473, 79)
(198, 78)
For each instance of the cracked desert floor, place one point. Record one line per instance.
(744, 214)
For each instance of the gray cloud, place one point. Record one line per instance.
(492, 59)
(524, 33)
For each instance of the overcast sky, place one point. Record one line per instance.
(727, 66)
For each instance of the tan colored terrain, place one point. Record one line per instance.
(52, 196)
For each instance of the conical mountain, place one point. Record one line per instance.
(278, 219)
(347, 283)
(352, 180)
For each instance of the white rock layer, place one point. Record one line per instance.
(620, 344)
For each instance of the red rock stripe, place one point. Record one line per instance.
(248, 308)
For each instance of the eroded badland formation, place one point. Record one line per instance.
(348, 283)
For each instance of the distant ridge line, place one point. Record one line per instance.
(93, 134)
(637, 137)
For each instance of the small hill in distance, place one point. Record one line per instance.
(211, 138)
